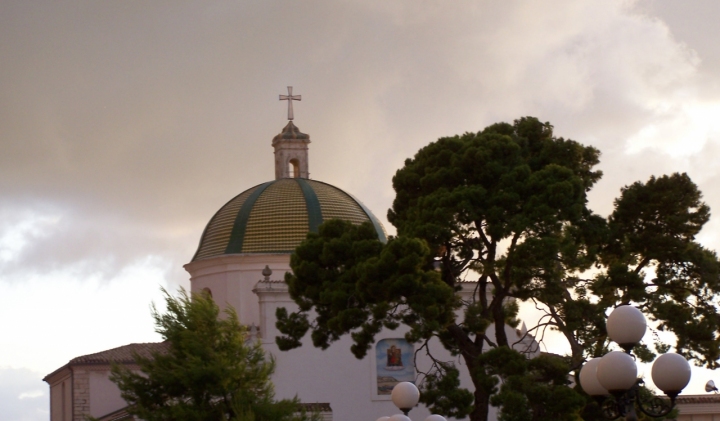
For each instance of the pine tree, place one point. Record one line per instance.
(507, 208)
(209, 371)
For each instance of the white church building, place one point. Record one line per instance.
(243, 255)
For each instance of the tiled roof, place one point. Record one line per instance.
(119, 415)
(122, 354)
(694, 399)
(276, 216)
(122, 414)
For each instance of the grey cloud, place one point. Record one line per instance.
(139, 121)
(126, 125)
(24, 395)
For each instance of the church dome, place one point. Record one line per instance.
(276, 216)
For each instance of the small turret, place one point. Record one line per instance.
(291, 146)
(291, 153)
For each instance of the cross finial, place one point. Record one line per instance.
(290, 98)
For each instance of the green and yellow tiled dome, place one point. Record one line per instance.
(275, 217)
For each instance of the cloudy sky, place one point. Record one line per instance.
(124, 125)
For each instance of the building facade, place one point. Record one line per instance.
(241, 260)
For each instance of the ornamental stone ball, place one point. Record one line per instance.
(267, 272)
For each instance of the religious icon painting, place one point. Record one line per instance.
(394, 364)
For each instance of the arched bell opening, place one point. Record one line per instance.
(294, 168)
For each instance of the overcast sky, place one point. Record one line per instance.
(124, 125)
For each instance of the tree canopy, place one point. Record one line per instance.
(209, 371)
(506, 208)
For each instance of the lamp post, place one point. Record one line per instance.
(613, 377)
(405, 396)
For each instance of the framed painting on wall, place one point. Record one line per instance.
(393, 364)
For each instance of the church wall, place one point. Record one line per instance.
(698, 408)
(105, 397)
(56, 402)
(350, 385)
(698, 417)
(231, 279)
(61, 399)
(354, 388)
(270, 301)
(81, 394)
(334, 375)
(216, 284)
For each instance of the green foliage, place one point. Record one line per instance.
(506, 207)
(209, 372)
(442, 394)
(357, 284)
(533, 389)
(654, 262)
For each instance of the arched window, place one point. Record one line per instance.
(294, 168)
(207, 291)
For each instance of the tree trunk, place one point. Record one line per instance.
(482, 396)
(470, 353)
(482, 406)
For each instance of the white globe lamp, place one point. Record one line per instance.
(399, 417)
(589, 381)
(626, 326)
(405, 396)
(617, 372)
(435, 417)
(671, 373)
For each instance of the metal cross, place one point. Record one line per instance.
(290, 98)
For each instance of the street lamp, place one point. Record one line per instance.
(405, 396)
(613, 377)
